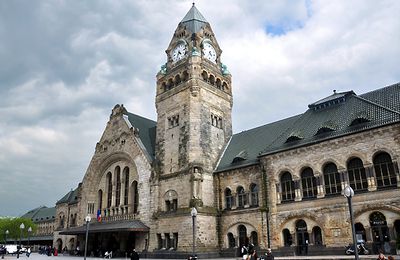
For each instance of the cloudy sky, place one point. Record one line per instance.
(65, 64)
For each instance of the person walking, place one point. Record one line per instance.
(268, 255)
(134, 255)
(245, 252)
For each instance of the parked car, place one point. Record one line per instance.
(12, 249)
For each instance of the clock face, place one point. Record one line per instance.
(179, 52)
(209, 52)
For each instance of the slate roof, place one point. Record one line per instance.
(337, 115)
(70, 198)
(40, 214)
(147, 131)
(194, 20)
(251, 143)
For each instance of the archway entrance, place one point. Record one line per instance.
(243, 240)
(59, 245)
(302, 237)
(380, 232)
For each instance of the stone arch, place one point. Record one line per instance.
(224, 86)
(204, 75)
(171, 200)
(331, 160)
(211, 79)
(177, 80)
(361, 156)
(377, 151)
(185, 76)
(218, 83)
(164, 87)
(170, 84)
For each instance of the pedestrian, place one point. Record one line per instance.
(28, 252)
(381, 256)
(268, 255)
(253, 255)
(390, 257)
(245, 252)
(134, 255)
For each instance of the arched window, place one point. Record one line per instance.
(254, 238)
(332, 180)
(228, 199)
(126, 188)
(357, 177)
(360, 230)
(218, 83)
(242, 235)
(384, 171)
(317, 235)
(135, 196)
(177, 80)
(287, 186)
(100, 199)
(204, 75)
(287, 237)
(170, 84)
(185, 76)
(231, 240)
(171, 200)
(212, 80)
(242, 198)
(117, 186)
(254, 194)
(109, 189)
(308, 184)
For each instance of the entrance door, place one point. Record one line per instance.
(302, 237)
(380, 232)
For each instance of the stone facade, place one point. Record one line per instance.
(283, 199)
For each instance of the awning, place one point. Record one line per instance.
(96, 227)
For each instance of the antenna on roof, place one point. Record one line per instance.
(193, 3)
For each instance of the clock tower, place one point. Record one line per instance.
(194, 106)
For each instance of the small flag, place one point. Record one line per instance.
(99, 215)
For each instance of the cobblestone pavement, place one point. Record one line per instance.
(35, 256)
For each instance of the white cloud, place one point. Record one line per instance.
(66, 64)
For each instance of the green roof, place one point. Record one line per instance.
(70, 198)
(194, 20)
(147, 131)
(336, 115)
(250, 143)
(40, 214)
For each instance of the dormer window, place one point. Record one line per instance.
(242, 156)
(358, 121)
(294, 136)
(323, 130)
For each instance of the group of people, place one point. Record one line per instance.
(250, 253)
(381, 256)
(48, 250)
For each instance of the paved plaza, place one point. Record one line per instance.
(35, 256)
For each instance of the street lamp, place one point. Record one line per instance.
(349, 194)
(194, 215)
(7, 232)
(21, 227)
(88, 218)
(29, 234)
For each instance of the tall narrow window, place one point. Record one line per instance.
(117, 186)
(287, 186)
(254, 194)
(309, 184)
(242, 198)
(135, 196)
(228, 198)
(100, 199)
(109, 190)
(357, 177)
(332, 180)
(384, 171)
(126, 188)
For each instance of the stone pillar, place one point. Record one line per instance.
(297, 191)
(369, 171)
(320, 185)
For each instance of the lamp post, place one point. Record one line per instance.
(194, 215)
(29, 235)
(87, 219)
(21, 227)
(349, 194)
(7, 232)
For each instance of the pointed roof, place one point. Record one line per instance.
(194, 20)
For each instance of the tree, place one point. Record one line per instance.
(13, 227)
